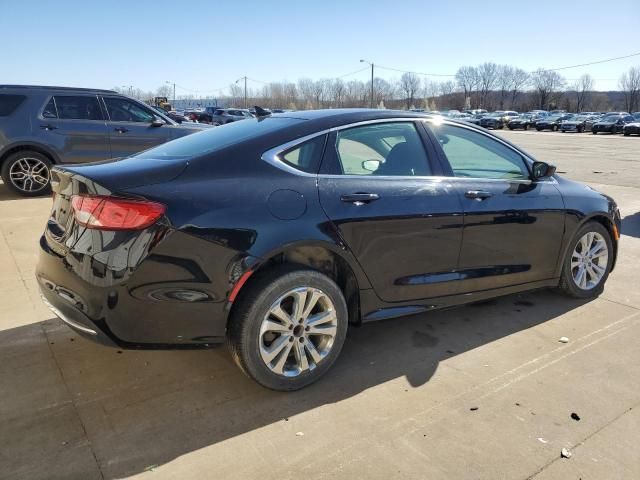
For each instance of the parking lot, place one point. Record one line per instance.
(485, 391)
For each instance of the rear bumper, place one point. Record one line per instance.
(72, 316)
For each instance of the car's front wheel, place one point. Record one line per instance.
(27, 172)
(288, 328)
(588, 262)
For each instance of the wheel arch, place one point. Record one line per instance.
(322, 257)
(36, 147)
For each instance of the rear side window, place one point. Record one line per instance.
(8, 104)
(77, 107)
(387, 149)
(306, 156)
(50, 109)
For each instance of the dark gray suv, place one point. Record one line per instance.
(41, 126)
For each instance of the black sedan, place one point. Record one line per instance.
(493, 120)
(575, 124)
(522, 121)
(276, 234)
(552, 122)
(612, 123)
(632, 128)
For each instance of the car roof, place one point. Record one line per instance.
(50, 87)
(341, 116)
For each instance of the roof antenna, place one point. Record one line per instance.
(261, 112)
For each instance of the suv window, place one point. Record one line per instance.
(218, 112)
(50, 109)
(123, 110)
(306, 156)
(472, 154)
(388, 149)
(70, 107)
(8, 103)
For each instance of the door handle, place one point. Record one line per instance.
(48, 127)
(359, 198)
(478, 194)
(121, 130)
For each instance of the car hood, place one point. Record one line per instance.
(605, 123)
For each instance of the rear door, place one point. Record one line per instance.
(378, 184)
(513, 227)
(75, 125)
(130, 128)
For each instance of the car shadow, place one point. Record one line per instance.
(631, 225)
(187, 400)
(7, 194)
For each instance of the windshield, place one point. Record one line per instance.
(215, 139)
(610, 118)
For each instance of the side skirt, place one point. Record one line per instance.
(374, 309)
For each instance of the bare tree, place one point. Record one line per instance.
(547, 84)
(581, 89)
(409, 85)
(430, 92)
(487, 78)
(306, 90)
(519, 80)
(164, 91)
(338, 92)
(630, 86)
(504, 77)
(467, 78)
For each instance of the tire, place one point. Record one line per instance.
(538, 129)
(580, 129)
(246, 336)
(525, 128)
(568, 285)
(554, 128)
(38, 166)
(626, 134)
(510, 128)
(595, 133)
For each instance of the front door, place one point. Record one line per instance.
(513, 226)
(403, 225)
(130, 127)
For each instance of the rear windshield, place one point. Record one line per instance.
(8, 103)
(216, 138)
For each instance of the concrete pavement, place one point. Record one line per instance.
(483, 391)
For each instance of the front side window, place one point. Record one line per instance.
(383, 149)
(123, 110)
(473, 154)
(77, 107)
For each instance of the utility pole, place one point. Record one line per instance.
(174, 89)
(370, 63)
(245, 89)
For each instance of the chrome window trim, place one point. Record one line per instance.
(272, 156)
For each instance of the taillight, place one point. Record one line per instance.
(108, 213)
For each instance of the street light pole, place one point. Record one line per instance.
(245, 89)
(370, 63)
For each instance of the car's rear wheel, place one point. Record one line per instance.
(526, 127)
(539, 129)
(594, 132)
(626, 134)
(288, 328)
(588, 262)
(28, 173)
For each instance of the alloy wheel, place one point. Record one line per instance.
(589, 260)
(298, 331)
(29, 174)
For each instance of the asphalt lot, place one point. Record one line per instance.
(480, 392)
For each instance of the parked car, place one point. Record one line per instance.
(612, 123)
(493, 120)
(222, 116)
(172, 115)
(44, 126)
(577, 123)
(589, 123)
(475, 119)
(275, 235)
(199, 115)
(521, 121)
(552, 122)
(631, 128)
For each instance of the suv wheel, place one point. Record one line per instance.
(288, 328)
(588, 262)
(27, 173)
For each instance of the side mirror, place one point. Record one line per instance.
(157, 122)
(371, 165)
(542, 170)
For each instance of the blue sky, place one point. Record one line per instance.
(205, 45)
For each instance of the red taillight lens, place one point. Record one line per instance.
(107, 213)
